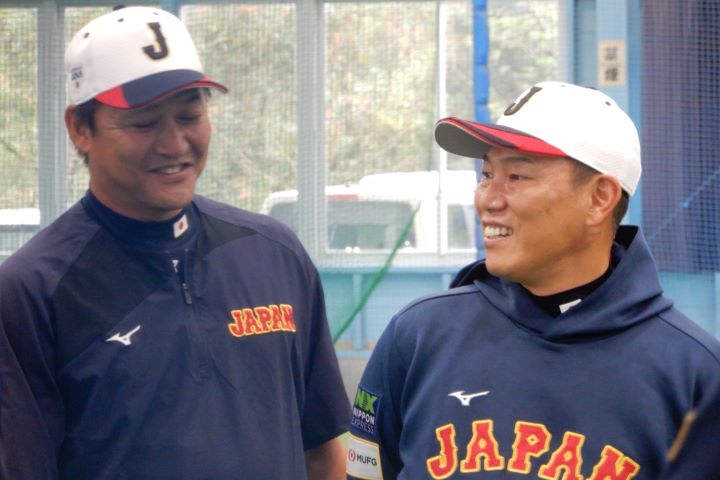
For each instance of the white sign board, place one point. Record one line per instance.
(612, 63)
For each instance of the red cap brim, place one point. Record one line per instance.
(470, 139)
(156, 87)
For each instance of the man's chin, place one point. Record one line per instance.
(499, 269)
(165, 209)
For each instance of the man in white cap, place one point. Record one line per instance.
(557, 356)
(150, 333)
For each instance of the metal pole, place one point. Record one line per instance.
(52, 139)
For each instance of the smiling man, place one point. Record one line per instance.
(146, 160)
(557, 356)
(138, 339)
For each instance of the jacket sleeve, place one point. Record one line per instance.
(325, 414)
(695, 453)
(31, 408)
(376, 419)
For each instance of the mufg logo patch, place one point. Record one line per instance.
(365, 410)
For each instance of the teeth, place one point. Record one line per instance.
(492, 232)
(172, 169)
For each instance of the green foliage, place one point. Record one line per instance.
(523, 48)
(251, 49)
(18, 100)
(380, 88)
(77, 174)
(380, 107)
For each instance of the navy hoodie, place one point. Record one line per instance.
(480, 382)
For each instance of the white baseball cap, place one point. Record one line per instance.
(131, 57)
(560, 120)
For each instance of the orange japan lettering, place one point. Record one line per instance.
(264, 317)
(445, 463)
(277, 320)
(482, 445)
(567, 457)
(236, 328)
(261, 319)
(531, 440)
(250, 322)
(613, 465)
(288, 317)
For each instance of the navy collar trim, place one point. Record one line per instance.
(176, 233)
(552, 304)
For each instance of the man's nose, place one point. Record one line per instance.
(491, 195)
(171, 140)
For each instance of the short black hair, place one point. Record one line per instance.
(85, 113)
(584, 172)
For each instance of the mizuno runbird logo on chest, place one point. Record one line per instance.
(466, 398)
(260, 320)
(125, 339)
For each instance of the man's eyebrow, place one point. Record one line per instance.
(192, 95)
(518, 158)
(522, 159)
(146, 108)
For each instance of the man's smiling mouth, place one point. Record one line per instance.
(494, 232)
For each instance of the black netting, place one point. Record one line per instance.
(328, 127)
(681, 121)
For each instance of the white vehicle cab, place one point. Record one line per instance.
(369, 216)
(17, 226)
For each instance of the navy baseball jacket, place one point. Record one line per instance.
(196, 348)
(480, 382)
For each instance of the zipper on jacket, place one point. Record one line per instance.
(183, 284)
(200, 360)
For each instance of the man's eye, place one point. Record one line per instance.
(515, 176)
(189, 118)
(485, 175)
(144, 125)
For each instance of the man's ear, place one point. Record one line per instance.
(79, 132)
(605, 194)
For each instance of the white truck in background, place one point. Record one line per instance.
(17, 226)
(370, 215)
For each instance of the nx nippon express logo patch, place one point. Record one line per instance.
(365, 410)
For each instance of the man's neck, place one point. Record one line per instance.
(558, 303)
